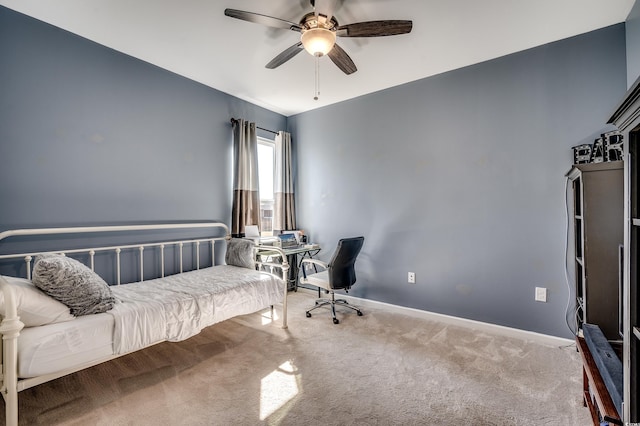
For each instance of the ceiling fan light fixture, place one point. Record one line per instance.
(318, 41)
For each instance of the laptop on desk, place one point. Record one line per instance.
(288, 241)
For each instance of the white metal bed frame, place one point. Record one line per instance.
(11, 325)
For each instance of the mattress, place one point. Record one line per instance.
(56, 347)
(179, 306)
(172, 308)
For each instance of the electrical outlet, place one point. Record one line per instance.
(411, 277)
(541, 294)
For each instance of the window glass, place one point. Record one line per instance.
(266, 167)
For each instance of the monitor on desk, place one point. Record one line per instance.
(252, 232)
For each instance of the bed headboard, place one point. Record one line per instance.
(177, 247)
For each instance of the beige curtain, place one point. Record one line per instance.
(246, 198)
(284, 215)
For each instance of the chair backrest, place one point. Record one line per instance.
(342, 273)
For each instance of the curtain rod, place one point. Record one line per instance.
(234, 121)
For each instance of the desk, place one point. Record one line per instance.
(294, 264)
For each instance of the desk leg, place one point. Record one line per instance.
(284, 303)
(308, 254)
(293, 272)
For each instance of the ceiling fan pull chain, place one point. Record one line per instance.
(317, 94)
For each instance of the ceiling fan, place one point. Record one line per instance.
(319, 30)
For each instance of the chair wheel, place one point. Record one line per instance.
(336, 321)
(359, 313)
(308, 314)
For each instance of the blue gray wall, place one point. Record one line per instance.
(460, 178)
(90, 135)
(633, 44)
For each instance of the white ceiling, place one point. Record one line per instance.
(193, 38)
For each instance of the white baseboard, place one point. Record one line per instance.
(540, 338)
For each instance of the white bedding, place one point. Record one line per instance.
(173, 308)
(57, 347)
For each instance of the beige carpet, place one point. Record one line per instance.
(379, 369)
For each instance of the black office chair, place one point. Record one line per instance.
(338, 274)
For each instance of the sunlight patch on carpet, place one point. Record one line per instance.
(267, 318)
(277, 388)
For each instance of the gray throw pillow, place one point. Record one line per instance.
(240, 253)
(73, 284)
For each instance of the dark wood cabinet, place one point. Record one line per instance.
(598, 202)
(627, 119)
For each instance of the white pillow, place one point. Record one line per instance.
(34, 306)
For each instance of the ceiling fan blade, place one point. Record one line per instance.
(375, 29)
(258, 18)
(324, 7)
(342, 60)
(285, 56)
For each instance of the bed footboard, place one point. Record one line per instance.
(284, 267)
(10, 328)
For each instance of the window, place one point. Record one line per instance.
(266, 168)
